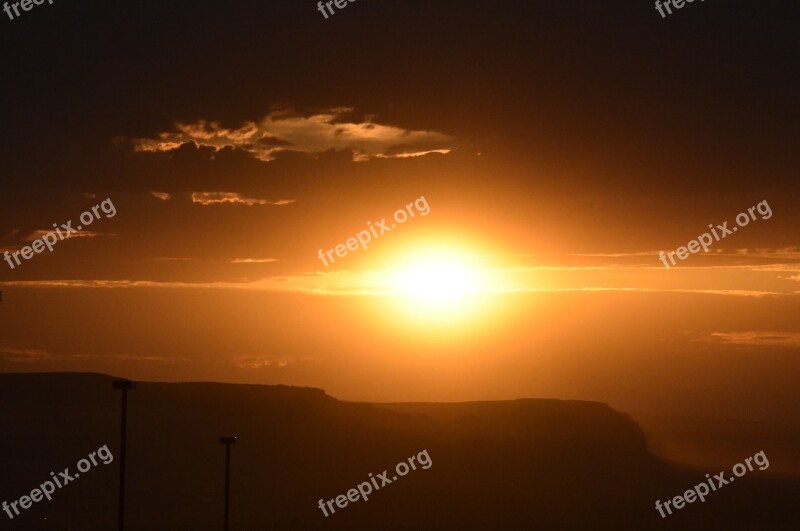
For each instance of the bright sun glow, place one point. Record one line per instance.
(437, 286)
(440, 292)
(439, 282)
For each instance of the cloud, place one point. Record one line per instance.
(25, 355)
(37, 234)
(271, 140)
(33, 355)
(232, 261)
(365, 283)
(281, 131)
(218, 198)
(758, 339)
(164, 196)
(260, 362)
(253, 260)
(716, 256)
(158, 146)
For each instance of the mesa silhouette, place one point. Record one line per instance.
(521, 464)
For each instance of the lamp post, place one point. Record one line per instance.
(124, 386)
(227, 441)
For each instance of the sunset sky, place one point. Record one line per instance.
(559, 146)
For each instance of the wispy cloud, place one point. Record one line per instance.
(35, 235)
(316, 133)
(35, 355)
(172, 259)
(164, 196)
(262, 362)
(371, 283)
(497, 275)
(25, 355)
(253, 260)
(219, 198)
(758, 339)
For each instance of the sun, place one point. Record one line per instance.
(439, 292)
(437, 286)
(439, 282)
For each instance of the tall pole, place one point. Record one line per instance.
(124, 386)
(227, 441)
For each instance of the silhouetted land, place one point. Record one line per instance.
(523, 464)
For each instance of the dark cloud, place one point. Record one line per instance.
(271, 140)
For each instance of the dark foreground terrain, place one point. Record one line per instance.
(524, 464)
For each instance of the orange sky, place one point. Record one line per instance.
(556, 159)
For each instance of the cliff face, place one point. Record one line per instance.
(523, 464)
